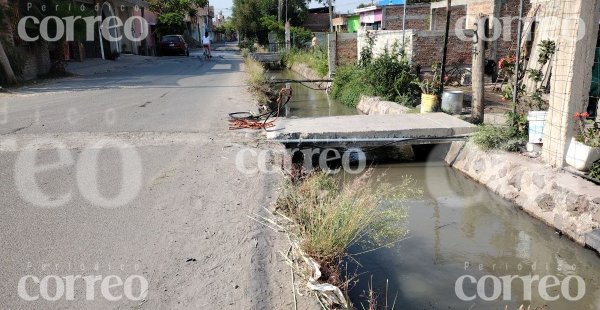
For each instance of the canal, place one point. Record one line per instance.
(467, 248)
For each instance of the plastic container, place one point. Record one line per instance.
(452, 102)
(581, 156)
(428, 103)
(536, 126)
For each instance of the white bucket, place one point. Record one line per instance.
(536, 126)
(452, 102)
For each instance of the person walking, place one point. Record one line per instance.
(314, 42)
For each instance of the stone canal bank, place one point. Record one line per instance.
(564, 201)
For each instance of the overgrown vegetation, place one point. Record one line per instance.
(248, 17)
(316, 60)
(388, 76)
(300, 37)
(497, 138)
(349, 84)
(536, 100)
(332, 215)
(172, 14)
(533, 101)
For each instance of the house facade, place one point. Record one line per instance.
(425, 24)
(202, 23)
(346, 23)
(123, 10)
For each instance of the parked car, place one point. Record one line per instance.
(174, 44)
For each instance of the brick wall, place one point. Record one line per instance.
(476, 8)
(438, 18)
(417, 17)
(386, 39)
(505, 44)
(428, 48)
(346, 49)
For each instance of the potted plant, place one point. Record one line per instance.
(429, 91)
(584, 148)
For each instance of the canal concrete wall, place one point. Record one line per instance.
(307, 72)
(375, 106)
(566, 202)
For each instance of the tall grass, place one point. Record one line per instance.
(316, 60)
(257, 80)
(331, 215)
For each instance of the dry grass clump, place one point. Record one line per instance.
(257, 80)
(332, 215)
(256, 72)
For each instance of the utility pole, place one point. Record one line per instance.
(477, 104)
(445, 52)
(279, 10)
(518, 58)
(330, 16)
(404, 25)
(287, 28)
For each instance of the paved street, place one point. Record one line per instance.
(132, 172)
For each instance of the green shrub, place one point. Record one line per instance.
(595, 171)
(248, 45)
(501, 138)
(392, 78)
(388, 76)
(349, 84)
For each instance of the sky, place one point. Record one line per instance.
(341, 6)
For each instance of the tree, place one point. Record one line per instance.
(249, 16)
(4, 61)
(172, 13)
(6, 67)
(227, 29)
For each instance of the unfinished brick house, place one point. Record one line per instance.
(426, 23)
